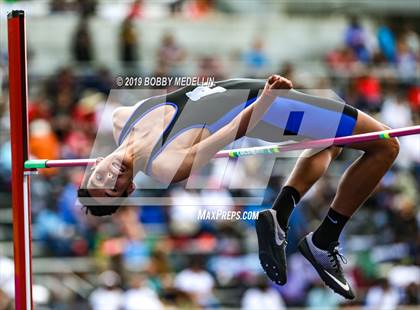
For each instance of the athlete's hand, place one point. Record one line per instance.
(278, 82)
(273, 83)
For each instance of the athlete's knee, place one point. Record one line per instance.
(384, 150)
(391, 146)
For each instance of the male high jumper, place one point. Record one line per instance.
(170, 136)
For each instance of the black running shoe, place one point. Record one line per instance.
(272, 246)
(327, 264)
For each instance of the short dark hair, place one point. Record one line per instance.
(96, 210)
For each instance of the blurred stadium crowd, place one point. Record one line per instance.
(152, 257)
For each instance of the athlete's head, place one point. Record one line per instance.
(111, 176)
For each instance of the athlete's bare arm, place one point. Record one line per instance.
(176, 164)
(204, 151)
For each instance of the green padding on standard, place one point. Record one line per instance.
(384, 135)
(35, 164)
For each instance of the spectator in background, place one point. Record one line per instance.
(403, 212)
(409, 158)
(43, 143)
(319, 297)
(401, 276)
(355, 38)
(101, 80)
(175, 7)
(382, 297)
(406, 62)
(368, 92)
(82, 49)
(129, 44)
(62, 111)
(66, 203)
(412, 39)
(183, 220)
(414, 97)
(130, 242)
(342, 60)
(211, 66)
(39, 108)
(63, 80)
(411, 294)
(255, 58)
(396, 111)
(5, 301)
(77, 124)
(85, 111)
(159, 270)
(136, 10)
(53, 232)
(262, 297)
(199, 8)
(76, 144)
(386, 40)
(140, 297)
(6, 159)
(86, 8)
(288, 70)
(197, 282)
(109, 295)
(162, 69)
(40, 294)
(7, 283)
(170, 53)
(59, 6)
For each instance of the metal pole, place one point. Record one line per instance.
(27, 239)
(18, 100)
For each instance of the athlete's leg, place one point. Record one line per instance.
(272, 224)
(357, 183)
(359, 180)
(308, 169)
(362, 177)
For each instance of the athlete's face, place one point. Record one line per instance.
(111, 177)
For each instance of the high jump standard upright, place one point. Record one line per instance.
(18, 98)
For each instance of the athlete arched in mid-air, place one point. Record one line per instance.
(170, 136)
